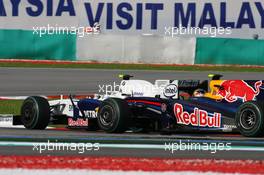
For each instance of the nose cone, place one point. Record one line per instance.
(88, 104)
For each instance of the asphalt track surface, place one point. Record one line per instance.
(28, 81)
(16, 141)
(43, 81)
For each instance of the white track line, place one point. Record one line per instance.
(129, 146)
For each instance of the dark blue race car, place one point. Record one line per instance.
(165, 106)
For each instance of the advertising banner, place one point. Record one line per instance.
(241, 18)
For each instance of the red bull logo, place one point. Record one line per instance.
(231, 90)
(197, 118)
(79, 122)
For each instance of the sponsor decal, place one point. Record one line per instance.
(171, 90)
(231, 90)
(90, 114)
(78, 122)
(6, 118)
(188, 83)
(197, 118)
(230, 126)
(138, 93)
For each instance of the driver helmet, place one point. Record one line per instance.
(199, 93)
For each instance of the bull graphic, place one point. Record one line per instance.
(231, 90)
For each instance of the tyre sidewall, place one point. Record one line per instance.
(41, 115)
(119, 115)
(33, 122)
(256, 130)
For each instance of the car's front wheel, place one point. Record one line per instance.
(113, 115)
(35, 113)
(250, 119)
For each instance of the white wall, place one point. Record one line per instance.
(136, 49)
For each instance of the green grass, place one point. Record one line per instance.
(135, 67)
(10, 106)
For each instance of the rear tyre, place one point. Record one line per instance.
(113, 115)
(35, 113)
(250, 119)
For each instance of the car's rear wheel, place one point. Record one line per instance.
(35, 113)
(250, 119)
(113, 115)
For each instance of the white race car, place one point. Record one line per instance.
(136, 103)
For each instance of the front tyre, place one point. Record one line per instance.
(250, 119)
(113, 115)
(35, 113)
